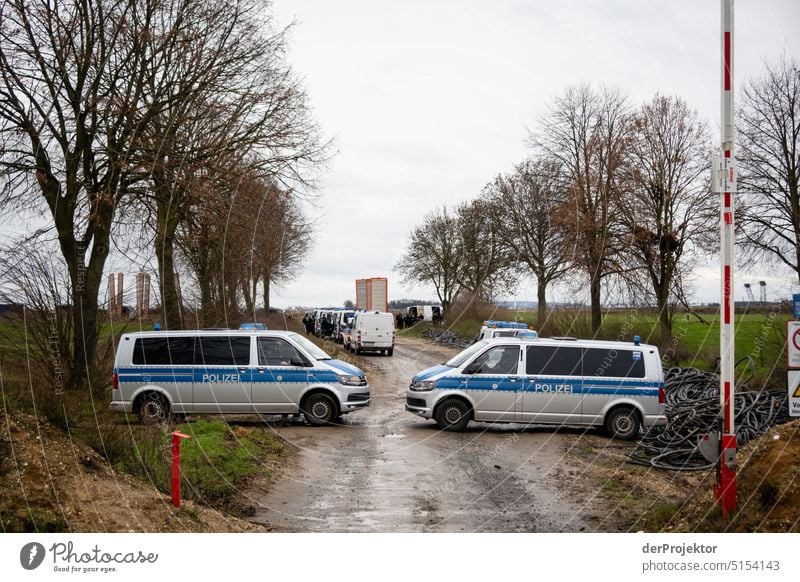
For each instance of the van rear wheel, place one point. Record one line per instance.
(320, 409)
(154, 409)
(453, 414)
(623, 423)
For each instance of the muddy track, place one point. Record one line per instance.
(385, 470)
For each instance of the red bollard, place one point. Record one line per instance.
(176, 466)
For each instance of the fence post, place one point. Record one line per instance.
(176, 467)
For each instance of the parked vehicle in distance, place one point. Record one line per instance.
(616, 385)
(341, 321)
(323, 322)
(233, 372)
(492, 328)
(371, 331)
(425, 312)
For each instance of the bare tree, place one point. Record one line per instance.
(769, 153)
(235, 98)
(242, 231)
(585, 132)
(98, 99)
(666, 207)
(433, 256)
(71, 81)
(529, 201)
(486, 267)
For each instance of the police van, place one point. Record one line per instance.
(491, 328)
(236, 372)
(615, 385)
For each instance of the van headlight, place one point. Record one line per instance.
(422, 385)
(351, 380)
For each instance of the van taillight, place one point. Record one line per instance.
(116, 381)
(662, 395)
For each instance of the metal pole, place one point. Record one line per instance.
(175, 481)
(725, 489)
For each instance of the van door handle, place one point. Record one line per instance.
(242, 370)
(512, 379)
(261, 370)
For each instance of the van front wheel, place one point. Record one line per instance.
(623, 424)
(453, 415)
(154, 409)
(319, 410)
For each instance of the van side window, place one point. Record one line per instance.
(554, 360)
(614, 363)
(273, 351)
(163, 351)
(223, 351)
(499, 360)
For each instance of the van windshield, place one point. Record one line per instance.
(466, 354)
(310, 347)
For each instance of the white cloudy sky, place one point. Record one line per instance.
(428, 100)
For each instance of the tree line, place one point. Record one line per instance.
(170, 125)
(615, 197)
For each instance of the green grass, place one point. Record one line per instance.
(220, 458)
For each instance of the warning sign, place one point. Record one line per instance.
(793, 343)
(794, 393)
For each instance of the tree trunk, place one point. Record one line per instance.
(206, 299)
(85, 282)
(248, 299)
(165, 254)
(266, 292)
(594, 293)
(664, 319)
(541, 315)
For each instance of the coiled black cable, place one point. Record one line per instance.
(693, 409)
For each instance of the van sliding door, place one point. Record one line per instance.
(222, 375)
(553, 386)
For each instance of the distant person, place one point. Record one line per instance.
(326, 328)
(308, 322)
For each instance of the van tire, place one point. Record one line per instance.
(153, 408)
(453, 414)
(320, 409)
(623, 423)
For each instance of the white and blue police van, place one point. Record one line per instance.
(233, 372)
(494, 328)
(557, 381)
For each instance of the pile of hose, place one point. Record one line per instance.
(693, 409)
(445, 337)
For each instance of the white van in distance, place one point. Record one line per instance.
(371, 331)
(236, 372)
(562, 381)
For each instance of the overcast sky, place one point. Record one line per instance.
(428, 100)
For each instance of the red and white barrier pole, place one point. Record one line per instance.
(176, 467)
(725, 488)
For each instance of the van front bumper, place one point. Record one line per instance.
(418, 404)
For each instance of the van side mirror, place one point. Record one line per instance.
(302, 362)
(472, 368)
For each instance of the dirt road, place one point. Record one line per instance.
(385, 470)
